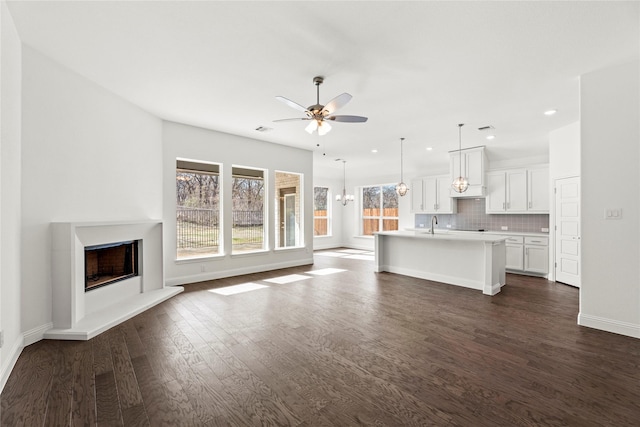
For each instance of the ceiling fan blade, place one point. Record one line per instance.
(292, 104)
(347, 119)
(291, 120)
(336, 103)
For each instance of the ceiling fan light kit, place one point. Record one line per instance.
(319, 114)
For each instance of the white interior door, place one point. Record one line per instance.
(568, 252)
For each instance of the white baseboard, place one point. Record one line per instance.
(213, 275)
(609, 325)
(10, 362)
(36, 334)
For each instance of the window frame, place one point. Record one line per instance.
(299, 205)
(201, 167)
(237, 172)
(328, 211)
(381, 218)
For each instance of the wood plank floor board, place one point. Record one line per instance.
(126, 382)
(83, 397)
(350, 348)
(108, 410)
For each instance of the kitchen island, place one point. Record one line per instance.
(471, 260)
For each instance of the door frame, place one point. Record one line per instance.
(553, 225)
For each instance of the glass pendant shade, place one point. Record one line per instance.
(460, 184)
(402, 189)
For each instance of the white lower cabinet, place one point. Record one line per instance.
(527, 254)
(514, 249)
(536, 254)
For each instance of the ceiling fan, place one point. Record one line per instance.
(318, 114)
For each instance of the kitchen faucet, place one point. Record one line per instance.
(433, 218)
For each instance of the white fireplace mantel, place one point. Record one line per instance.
(80, 315)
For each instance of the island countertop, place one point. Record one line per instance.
(445, 235)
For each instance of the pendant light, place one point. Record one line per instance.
(344, 198)
(460, 184)
(401, 188)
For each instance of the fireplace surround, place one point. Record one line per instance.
(80, 315)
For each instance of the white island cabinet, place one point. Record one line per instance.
(470, 260)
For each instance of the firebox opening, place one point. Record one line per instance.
(109, 263)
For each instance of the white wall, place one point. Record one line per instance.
(335, 185)
(610, 133)
(10, 73)
(564, 152)
(87, 155)
(564, 162)
(188, 142)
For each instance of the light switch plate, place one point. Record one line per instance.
(613, 213)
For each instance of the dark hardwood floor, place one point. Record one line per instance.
(350, 348)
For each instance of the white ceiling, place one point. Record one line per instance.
(416, 69)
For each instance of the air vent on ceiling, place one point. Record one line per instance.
(484, 128)
(263, 129)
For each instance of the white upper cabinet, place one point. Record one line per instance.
(474, 166)
(518, 191)
(538, 190)
(434, 197)
(417, 195)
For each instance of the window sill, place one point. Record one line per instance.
(363, 237)
(198, 259)
(250, 253)
(323, 237)
(290, 248)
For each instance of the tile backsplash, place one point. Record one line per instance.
(472, 216)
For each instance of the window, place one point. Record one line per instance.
(321, 211)
(379, 209)
(197, 209)
(247, 198)
(288, 221)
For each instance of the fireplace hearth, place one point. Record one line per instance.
(110, 263)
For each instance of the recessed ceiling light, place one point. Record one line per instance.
(374, 151)
(491, 136)
(429, 148)
(550, 112)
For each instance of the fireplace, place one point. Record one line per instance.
(109, 263)
(86, 256)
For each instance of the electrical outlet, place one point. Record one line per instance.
(202, 268)
(504, 228)
(420, 225)
(544, 230)
(448, 225)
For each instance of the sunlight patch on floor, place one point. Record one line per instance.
(287, 279)
(237, 289)
(361, 256)
(353, 251)
(329, 253)
(325, 271)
